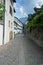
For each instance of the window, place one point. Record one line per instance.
(14, 9)
(10, 10)
(9, 23)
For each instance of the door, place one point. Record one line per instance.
(11, 35)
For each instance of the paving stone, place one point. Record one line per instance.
(21, 51)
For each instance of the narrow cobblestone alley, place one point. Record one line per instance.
(21, 51)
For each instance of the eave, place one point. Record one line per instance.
(14, 0)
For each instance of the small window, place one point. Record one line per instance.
(10, 10)
(9, 23)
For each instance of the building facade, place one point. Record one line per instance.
(8, 22)
(18, 26)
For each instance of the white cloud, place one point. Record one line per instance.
(22, 10)
(25, 14)
(16, 6)
(38, 3)
(41, 1)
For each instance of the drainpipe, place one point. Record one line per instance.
(3, 24)
(3, 29)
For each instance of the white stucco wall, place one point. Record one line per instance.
(8, 18)
(1, 34)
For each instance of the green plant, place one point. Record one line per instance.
(2, 10)
(37, 21)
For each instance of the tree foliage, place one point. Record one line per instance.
(2, 10)
(36, 19)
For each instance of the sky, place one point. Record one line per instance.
(25, 7)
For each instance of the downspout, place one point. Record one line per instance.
(3, 24)
(3, 29)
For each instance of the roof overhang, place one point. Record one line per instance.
(14, 0)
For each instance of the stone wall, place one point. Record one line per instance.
(37, 33)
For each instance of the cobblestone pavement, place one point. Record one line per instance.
(21, 51)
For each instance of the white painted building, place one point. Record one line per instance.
(7, 25)
(18, 26)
